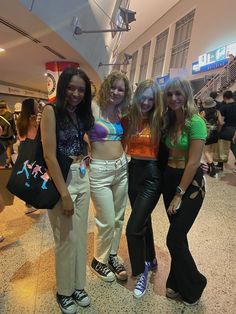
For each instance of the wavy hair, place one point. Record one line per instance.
(189, 108)
(27, 110)
(103, 95)
(154, 115)
(84, 110)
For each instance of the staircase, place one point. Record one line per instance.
(220, 81)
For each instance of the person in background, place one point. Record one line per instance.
(27, 125)
(228, 112)
(17, 110)
(2, 238)
(1, 200)
(108, 175)
(8, 136)
(64, 133)
(199, 104)
(142, 132)
(214, 122)
(184, 134)
(214, 95)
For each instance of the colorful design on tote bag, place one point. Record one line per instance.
(36, 171)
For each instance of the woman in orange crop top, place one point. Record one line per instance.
(142, 131)
(108, 175)
(184, 134)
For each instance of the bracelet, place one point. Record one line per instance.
(179, 190)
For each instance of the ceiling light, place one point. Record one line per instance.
(2, 50)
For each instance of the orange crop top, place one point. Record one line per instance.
(141, 145)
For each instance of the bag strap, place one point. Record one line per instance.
(38, 136)
(5, 120)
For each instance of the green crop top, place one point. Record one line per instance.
(195, 129)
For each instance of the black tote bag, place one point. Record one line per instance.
(30, 180)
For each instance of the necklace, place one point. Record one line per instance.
(71, 110)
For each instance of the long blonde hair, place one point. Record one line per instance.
(189, 108)
(104, 91)
(154, 115)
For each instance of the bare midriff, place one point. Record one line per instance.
(177, 158)
(106, 150)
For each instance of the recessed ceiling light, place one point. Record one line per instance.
(2, 50)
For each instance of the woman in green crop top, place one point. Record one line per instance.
(184, 134)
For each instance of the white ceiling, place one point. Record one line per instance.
(147, 12)
(23, 62)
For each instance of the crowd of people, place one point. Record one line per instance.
(124, 147)
(220, 117)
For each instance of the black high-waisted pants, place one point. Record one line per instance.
(144, 191)
(184, 276)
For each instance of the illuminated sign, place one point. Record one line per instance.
(214, 59)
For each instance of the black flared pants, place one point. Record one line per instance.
(184, 276)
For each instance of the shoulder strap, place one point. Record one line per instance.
(5, 120)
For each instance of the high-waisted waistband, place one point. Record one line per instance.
(116, 162)
(79, 159)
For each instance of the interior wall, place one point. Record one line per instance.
(214, 26)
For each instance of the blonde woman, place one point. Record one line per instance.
(143, 124)
(183, 188)
(108, 175)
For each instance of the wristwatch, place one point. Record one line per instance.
(179, 191)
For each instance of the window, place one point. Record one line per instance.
(159, 53)
(133, 68)
(144, 62)
(181, 42)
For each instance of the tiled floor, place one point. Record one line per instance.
(27, 282)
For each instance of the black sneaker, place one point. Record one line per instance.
(102, 271)
(117, 267)
(66, 304)
(81, 297)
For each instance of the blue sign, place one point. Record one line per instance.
(162, 80)
(211, 66)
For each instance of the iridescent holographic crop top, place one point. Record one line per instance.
(105, 131)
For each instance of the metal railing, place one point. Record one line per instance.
(219, 82)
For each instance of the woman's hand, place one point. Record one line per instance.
(174, 205)
(67, 205)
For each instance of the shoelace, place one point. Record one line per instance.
(116, 263)
(80, 294)
(103, 268)
(141, 283)
(66, 301)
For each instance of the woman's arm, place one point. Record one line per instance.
(48, 134)
(194, 157)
